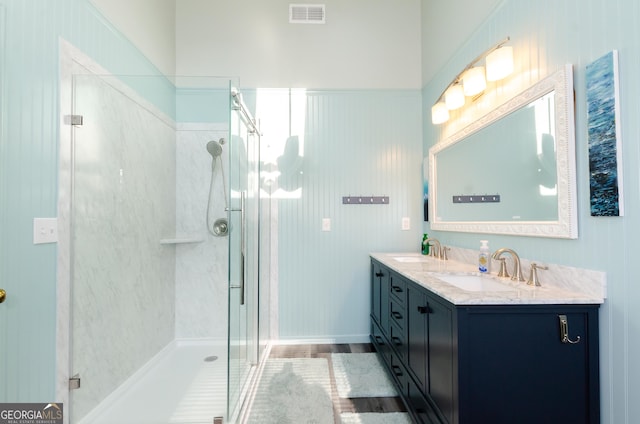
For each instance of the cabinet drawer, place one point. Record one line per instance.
(398, 289)
(380, 342)
(399, 374)
(398, 340)
(421, 408)
(398, 314)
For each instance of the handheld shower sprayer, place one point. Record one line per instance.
(220, 227)
(215, 147)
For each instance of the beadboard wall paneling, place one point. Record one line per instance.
(29, 175)
(546, 35)
(4, 321)
(355, 143)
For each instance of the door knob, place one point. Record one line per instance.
(3, 295)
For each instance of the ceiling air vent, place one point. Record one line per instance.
(306, 13)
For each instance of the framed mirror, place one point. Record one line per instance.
(513, 170)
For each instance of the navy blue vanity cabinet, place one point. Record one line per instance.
(430, 356)
(376, 283)
(380, 286)
(478, 364)
(515, 365)
(397, 300)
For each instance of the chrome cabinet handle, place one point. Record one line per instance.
(564, 331)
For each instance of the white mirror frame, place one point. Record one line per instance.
(567, 224)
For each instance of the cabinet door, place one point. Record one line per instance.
(376, 276)
(417, 359)
(519, 369)
(441, 361)
(385, 287)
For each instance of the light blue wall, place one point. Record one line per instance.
(546, 35)
(356, 143)
(202, 105)
(28, 175)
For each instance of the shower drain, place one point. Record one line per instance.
(210, 358)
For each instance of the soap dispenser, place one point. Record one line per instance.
(484, 258)
(425, 245)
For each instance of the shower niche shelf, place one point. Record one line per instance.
(182, 240)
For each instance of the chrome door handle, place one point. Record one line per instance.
(242, 243)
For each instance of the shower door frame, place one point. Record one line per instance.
(244, 241)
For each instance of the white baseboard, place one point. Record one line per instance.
(354, 338)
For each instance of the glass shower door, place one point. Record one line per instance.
(123, 202)
(243, 256)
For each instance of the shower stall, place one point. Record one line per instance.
(169, 257)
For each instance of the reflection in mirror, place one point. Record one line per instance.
(512, 171)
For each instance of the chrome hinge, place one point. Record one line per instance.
(74, 382)
(73, 119)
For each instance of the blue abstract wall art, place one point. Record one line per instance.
(603, 123)
(425, 189)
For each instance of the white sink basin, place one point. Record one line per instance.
(474, 283)
(408, 258)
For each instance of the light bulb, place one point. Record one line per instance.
(473, 81)
(499, 63)
(454, 97)
(439, 113)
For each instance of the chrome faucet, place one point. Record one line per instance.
(435, 251)
(517, 270)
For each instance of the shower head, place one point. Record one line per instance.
(215, 147)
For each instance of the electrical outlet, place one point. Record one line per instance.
(406, 223)
(45, 230)
(326, 224)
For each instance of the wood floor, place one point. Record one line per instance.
(360, 405)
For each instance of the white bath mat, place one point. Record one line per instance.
(293, 390)
(375, 418)
(361, 375)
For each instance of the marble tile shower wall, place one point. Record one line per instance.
(124, 203)
(201, 268)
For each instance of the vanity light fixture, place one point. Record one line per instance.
(454, 97)
(472, 80)
(499, 63)
(439, 113)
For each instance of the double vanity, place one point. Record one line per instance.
(468, 348)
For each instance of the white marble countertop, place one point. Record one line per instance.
(424, 270)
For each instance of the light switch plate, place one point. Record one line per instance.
(45, 230)
(406, 223)
(326, 224)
